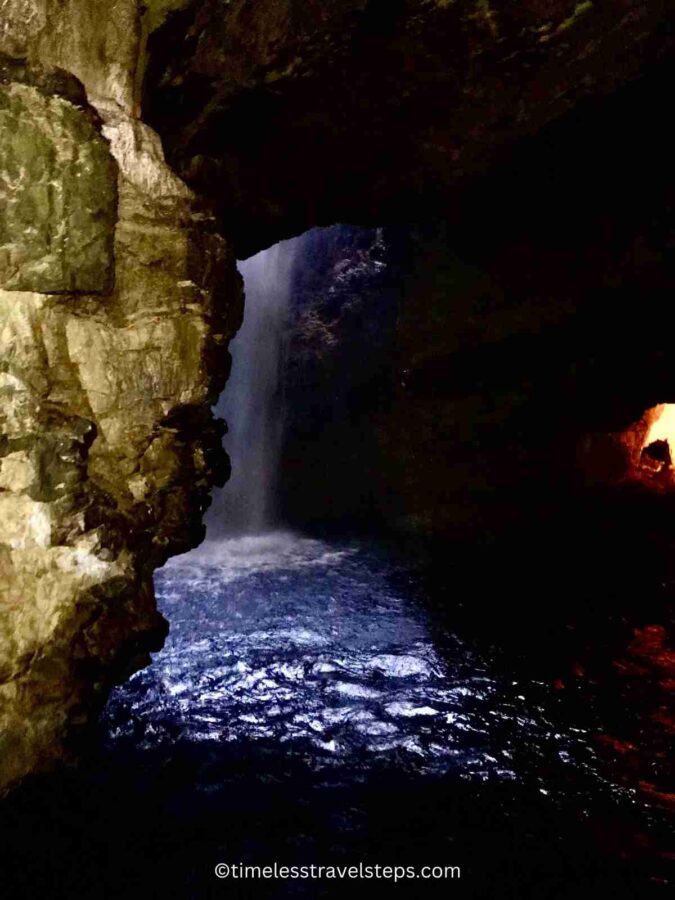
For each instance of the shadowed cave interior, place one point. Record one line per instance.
(431, 618)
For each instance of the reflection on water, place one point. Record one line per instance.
(321, 648)
(307, 708)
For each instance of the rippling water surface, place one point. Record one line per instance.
(309, 708)
(325, 650)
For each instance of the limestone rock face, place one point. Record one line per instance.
(57, 195)
(118, 297)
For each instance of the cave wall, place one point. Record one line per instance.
(545, 181)
(118, 291)
(297, 113)
(532, 330)
(117, 299)
(337, 377)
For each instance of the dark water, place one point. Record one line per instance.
(308, 708)
(323, 650)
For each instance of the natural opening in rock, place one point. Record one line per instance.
(656, 455)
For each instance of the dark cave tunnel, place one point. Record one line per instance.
(478, 384)
(531, 311)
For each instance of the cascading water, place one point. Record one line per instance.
(308, 707)
(252, 403)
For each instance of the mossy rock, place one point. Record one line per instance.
(58, 196)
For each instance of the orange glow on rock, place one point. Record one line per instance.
(662, 427)
(655, 464)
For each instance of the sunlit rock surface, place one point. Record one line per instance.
(119, 300)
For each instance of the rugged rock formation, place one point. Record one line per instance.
(118, 292)
(294, 113)
(338, 378)
(117, 300)
(532, 332)
(509, 126)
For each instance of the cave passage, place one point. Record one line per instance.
(657, 449)
(432, 620)
(332, 695)
(309, 693)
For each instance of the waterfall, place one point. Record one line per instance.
(252, 403)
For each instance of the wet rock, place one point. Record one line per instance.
(119, 299)
(58, 185)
